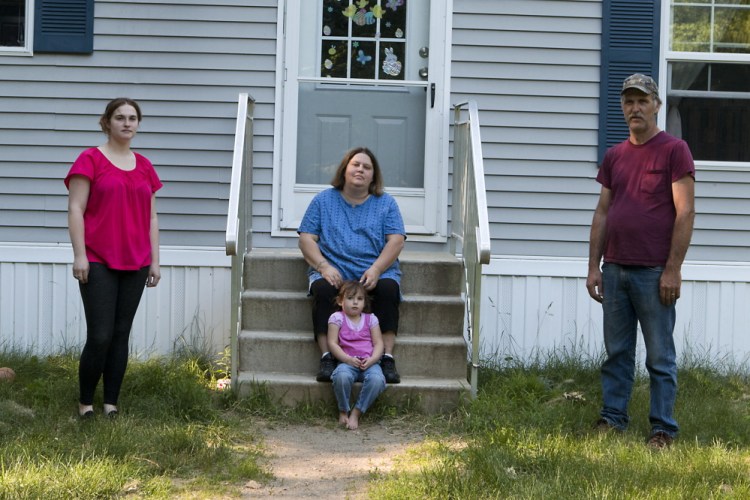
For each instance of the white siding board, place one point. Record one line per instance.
(725, 222)
(206, 142)
(166, 44)
(519, 183)
(556, 121)
(523, 104)
(41, 310)
(256, 3)
(528, 55)
(187, 76)
(155, 12)
(553, 233)
(514, 71)
(576, 91)
(559, 217)
(543, 152)
(179, 93)
(549, 135)
(526, 315)
(512, 23)
(480, 43)
(578, 9)
(552, 201)
(552, 168)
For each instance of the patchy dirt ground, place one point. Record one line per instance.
(329, 461)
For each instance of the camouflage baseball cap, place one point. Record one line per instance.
(644, 83)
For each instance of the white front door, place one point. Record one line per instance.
(364, 73)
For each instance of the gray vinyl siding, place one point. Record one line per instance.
(722, 222)
(533, 68)
(185, 62)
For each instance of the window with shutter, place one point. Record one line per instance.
(64, 26)
(630, 44)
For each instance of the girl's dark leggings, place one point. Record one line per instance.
(110, 300)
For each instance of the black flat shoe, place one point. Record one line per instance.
(88, 414)
(112, 414)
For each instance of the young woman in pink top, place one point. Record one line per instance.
(115, 235)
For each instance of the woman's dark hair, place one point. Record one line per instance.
(351, 287)
(339, 178)
(112, 107)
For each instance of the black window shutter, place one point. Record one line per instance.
(630, 44)
(64, 26)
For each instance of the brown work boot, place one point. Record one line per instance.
(603, 426)
(659, 440)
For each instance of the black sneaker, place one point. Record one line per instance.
(327, 365)
(388, 364)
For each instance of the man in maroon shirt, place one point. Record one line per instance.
(641, 228)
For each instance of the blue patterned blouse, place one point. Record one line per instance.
(352, 237)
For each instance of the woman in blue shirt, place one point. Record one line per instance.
(354, 231)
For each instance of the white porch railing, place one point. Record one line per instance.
(470, 230)
(239, 214)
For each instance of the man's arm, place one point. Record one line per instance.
(683, 194)
(596, 245)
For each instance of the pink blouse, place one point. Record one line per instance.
(117, 219)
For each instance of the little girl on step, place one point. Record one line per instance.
(355, 340)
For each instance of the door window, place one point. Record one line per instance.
(363, 39)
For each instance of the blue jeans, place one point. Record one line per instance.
(631, 295)
(343, 378)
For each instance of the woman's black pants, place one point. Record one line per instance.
(110, 300)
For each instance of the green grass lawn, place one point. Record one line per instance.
(528, 435)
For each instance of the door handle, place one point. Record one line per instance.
(432, 95)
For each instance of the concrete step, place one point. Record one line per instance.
(276, 347)
(428, 395)
(296, 353)
(292, 311)
(433, 273)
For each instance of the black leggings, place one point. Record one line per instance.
(384, 300)
(110, 300)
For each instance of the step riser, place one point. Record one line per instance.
(423, 317)
(289, 272)
(426, 400)
(294, 355)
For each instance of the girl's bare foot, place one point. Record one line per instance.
(354, 419)
(343, 418)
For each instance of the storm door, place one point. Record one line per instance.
(358, 72)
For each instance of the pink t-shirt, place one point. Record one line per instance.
(118, 213)
(641, 213)
(355, 340)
